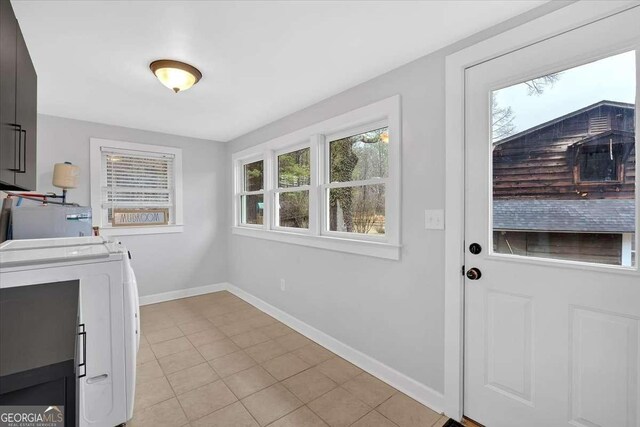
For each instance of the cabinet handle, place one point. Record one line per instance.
(18, 129)
(24, 152)
(83, 334)
(97, 378)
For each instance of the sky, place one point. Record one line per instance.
(612, 78)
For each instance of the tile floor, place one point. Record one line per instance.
(215, 360)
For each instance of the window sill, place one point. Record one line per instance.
(131, 231)
(360, 247)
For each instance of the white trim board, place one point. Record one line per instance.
(183, 293)
(566, 18)
(398, 380)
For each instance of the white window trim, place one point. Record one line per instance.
(558, 18)
(95, 165)
(382, 113)
(309, 188)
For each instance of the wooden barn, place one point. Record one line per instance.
(565, 189)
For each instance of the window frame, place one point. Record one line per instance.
(384, 113)
(277, 190)
(241, 192)
(96, 178)
(578, 174)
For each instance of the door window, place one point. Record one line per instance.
(564, 164)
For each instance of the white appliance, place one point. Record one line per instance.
(108, 309)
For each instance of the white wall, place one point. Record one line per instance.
(390, 310)
(163, 262)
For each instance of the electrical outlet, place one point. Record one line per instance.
(283, 286)
(434, 219)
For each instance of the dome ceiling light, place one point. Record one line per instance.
(175, 75)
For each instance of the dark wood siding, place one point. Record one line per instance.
(538, 164)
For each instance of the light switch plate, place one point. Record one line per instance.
(434, 219)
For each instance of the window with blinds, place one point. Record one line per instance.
(138, 181)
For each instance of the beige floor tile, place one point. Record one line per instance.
(303, 417)
(195, 326)
(271, 403)
(179, 361)
(145, 354)
(406, 412)
(217, 349)
(262, 320)
(309, 385)
(232, 363)
(219, 320)
(441, 422)
(148, 371)
(293, 341)
(285, 366)
(339, 370)
(236, 328)
(313, 354)
(369, 389)
(165, 414)
(339, 408)
(154, 324)
(265, 351)
(276, 330)
(234, 415)
(373, 419)
(186, 317)
(247, 339)
(247, 382)
(160, 335)
(206, 399)
(165, 348)
(211, 334)
(192, 378)
(143, 341)
(153, 391)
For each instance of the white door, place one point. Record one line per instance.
(552, 325)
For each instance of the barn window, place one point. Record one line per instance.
(599, 163)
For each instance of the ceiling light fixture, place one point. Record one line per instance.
(175, 75)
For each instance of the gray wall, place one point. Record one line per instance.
(392, 311)
(163, 262)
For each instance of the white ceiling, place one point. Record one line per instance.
(261, 60)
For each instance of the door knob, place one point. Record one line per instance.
(474, 274)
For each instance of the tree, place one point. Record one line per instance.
(502, 117)
(501, 120)
(537, 86)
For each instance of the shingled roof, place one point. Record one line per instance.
(584, 216)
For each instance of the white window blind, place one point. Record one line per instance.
(137, 180)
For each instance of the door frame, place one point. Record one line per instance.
(563, 17)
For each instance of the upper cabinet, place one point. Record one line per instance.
(18, 106)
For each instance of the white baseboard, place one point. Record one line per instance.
(400, 381)
(183, 293)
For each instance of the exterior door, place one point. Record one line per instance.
(552, 295)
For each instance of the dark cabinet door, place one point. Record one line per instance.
(8, 134)
(26, 116)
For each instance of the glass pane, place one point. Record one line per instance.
(564, 161)
(293, 209)
(294, 169)
(254, 176)
(252, 209)
(359, 157)
(357, 209)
